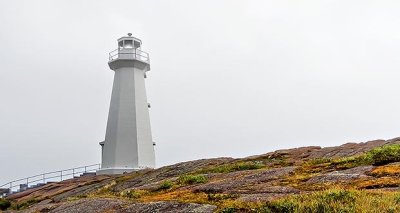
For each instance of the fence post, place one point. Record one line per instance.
(85, 169)
(61, 174)
(44, 178)
(73, 173)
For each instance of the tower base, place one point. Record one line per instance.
(116, 171)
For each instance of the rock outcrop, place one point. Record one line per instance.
(210, 185)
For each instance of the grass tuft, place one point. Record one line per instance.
(24, 205)
(192, 179)
(165, 185)
(238, 166)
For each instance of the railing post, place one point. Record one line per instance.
(61, 174)
(73, 173)
(85, 169)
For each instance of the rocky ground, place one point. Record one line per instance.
(294, 180)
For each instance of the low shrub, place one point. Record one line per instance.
(283, 206)
(165, 185)
(192, 179)
(4, 204)
(339, 196)
(378, 156)
(228, 210)
(385, 154)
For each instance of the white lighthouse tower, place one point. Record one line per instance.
(128, 145)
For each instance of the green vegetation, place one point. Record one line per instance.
(330, 164)
(337, 200)
(228, 210)
(351, 162)
(317, 195)
(24, 205)
(165, 185)
(280, 206)
(192, 179)
(238, 166)
(328, 201)
(378, 156)
(132, 194)
(220, 197)
(385, 154)
(4, 204)
(397, 199)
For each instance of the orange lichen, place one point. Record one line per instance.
(389, 170)
(179, 195)
(383, 182)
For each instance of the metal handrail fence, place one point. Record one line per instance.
(41, 179)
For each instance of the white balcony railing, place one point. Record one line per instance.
(132, 54)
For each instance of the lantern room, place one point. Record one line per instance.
(129, 42)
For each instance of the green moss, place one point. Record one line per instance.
(192, 179)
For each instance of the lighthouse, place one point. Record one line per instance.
(128, 144)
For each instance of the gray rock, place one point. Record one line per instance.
(121, 206)
(344, 175)
(164, 206)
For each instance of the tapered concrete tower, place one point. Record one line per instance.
(128, 145)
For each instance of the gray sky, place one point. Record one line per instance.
(228, 78)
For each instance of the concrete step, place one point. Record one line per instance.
(88, 174)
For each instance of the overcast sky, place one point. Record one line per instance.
(228, 78)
